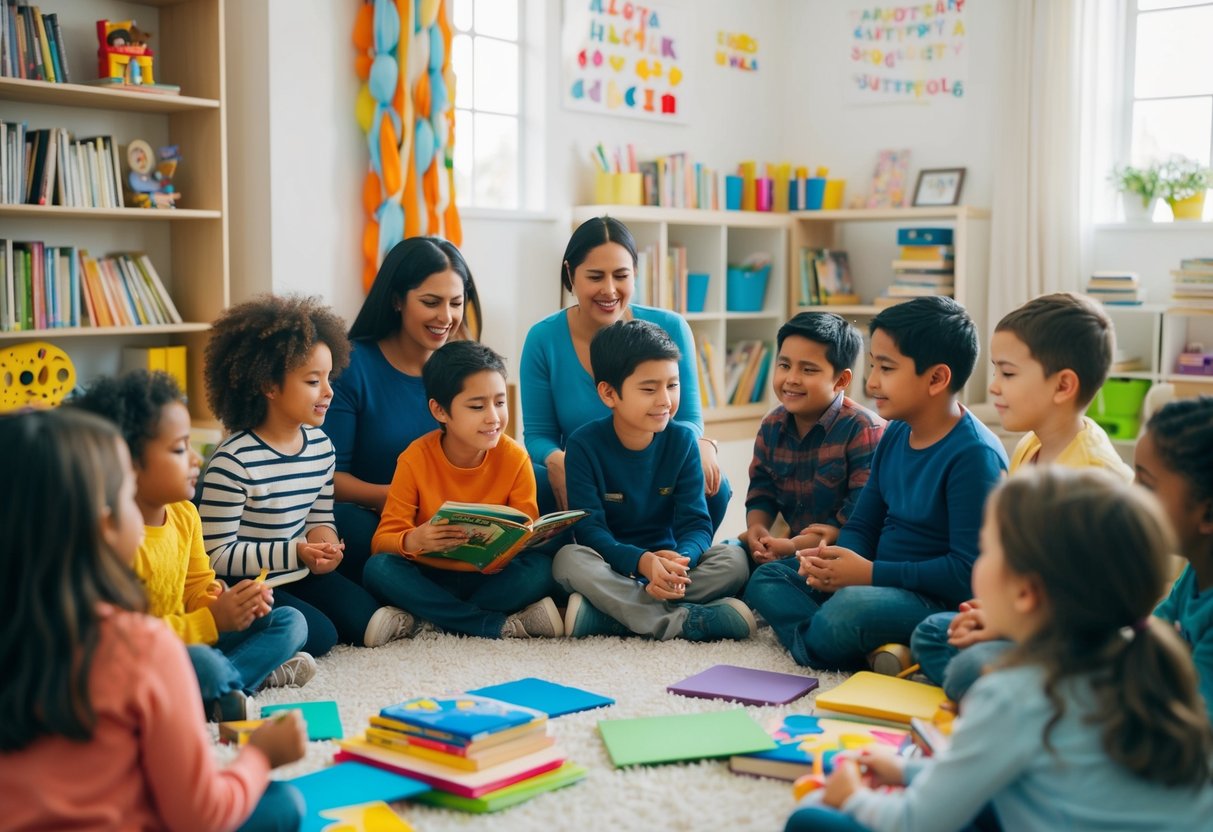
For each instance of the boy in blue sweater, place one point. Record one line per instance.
(908, 548)
(644, 560)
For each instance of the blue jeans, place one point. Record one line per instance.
(820, 818)
(461, 602)
(955, 670)
(833, 630)
(280, 809)
(336, 609)
(718, 503)
(242, 660)
(356, 526)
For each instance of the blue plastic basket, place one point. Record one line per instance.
(746, 290)
(697, 291)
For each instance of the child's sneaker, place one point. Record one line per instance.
(890, 659)
(295, 672)
(232, 706)
(722, 618)
(389, 624)
(582, 619)
(540, 620)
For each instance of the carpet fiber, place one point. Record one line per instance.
(635, 672)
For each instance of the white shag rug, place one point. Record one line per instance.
(634, 671)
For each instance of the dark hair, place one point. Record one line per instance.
(133, 402)
(932, 330)
(451, 365)
(590, 235)
(409, 264)
(841, 340)
(1064, 331)
(1183, 436)
(1099, 548)
(254, 345)
(617, 350)
(62, 473)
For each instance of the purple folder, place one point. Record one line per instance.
(745, 685)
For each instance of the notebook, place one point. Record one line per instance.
(745, 684)
(323, 720)
(465, 717)
(548, 697)
(567, 774)
(871, 697)
(672, 739)
(347, 784)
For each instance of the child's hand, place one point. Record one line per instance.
(882, 767)
(843, 782)
(555, 466)
(825, 533)
(667, 574)
(430, 538)
(756, 537)
(969, 626)
(830, 568)
(711, 468)
(236, 609)
(320, 558)
(283, 739)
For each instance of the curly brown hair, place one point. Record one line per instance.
(254, 345)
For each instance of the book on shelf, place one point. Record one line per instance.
(941, 253)
(171, 360)
(920, 290)
(495, 535)
(832, 274)
(746, 369)
(31, 44)
(808, 294)
(924, 236)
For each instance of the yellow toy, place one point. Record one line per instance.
(123, 53)
(36, 374)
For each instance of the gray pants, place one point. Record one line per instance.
(722, 571)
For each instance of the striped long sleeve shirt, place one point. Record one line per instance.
(258, 505)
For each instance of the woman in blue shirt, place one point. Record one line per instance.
(558, 390)
(420, 299)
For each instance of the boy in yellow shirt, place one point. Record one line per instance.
(471, 460)
(1050, 358)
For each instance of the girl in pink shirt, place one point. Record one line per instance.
(102, 728)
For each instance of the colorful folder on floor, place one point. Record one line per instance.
(802, 738)
(347, 784)
(871, 697)
(672, 739)
(548, 697)
(566, 775)
(745, 684)
(322, 718)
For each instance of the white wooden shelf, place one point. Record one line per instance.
(100, 98)
(61, 212)
(104, 331)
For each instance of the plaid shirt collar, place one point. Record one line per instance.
(827, 420)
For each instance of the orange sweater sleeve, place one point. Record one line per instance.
(191, 791)
(399, 515)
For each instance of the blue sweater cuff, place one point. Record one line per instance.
(886, 573)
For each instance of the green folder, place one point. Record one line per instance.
(323, 721)
(509, 796)
(672, 739)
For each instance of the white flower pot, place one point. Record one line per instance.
(1137, 210)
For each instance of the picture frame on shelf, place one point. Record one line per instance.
(938, 186)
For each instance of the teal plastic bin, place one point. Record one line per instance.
(745, 289)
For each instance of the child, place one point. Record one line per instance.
(644, 560)
(235, 640)
(469, 459)
(1050, 358)
(267, 494)
(1172, 460)
(98, 731)
(1093, 721)
(909, 546)
(813, 452)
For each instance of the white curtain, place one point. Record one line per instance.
(1054, 146)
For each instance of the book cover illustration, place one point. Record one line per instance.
(832, 269)
(800, 739)
(467, 717)
(495, 535)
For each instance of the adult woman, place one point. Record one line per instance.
(419, 301)
(558, 391)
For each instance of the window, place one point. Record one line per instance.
(486, 57)
(1171, 110)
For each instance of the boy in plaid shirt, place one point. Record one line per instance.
(813, 452)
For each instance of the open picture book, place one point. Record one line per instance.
(495, 535)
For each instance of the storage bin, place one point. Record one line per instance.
(746, 290)
(1117, 406)
(697, 291)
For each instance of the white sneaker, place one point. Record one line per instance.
(389, 624)
(295, 672)
(540, 620)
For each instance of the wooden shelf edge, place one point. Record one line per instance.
(71, 212)
(82, 95)
(103, 331)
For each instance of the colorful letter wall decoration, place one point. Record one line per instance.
(737, 50)
(908, 53)
(624, 59)
(405, 108)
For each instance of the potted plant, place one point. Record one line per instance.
(1139, 189)
(1183, 183)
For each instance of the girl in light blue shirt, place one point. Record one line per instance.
(1093, 720)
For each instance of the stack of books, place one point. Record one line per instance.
(50, 167)
(478, 754)
(745, 372)
(1193, 280)
(925, 266)
(31, 44)
(1116, 288)
(677, 181)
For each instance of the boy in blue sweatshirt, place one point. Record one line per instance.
(907, 550)
(643, 561)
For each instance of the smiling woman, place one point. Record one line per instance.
(419, 301)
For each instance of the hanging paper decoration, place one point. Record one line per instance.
(404, 107)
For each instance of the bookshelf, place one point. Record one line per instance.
(713, 241)
(188, 245)
(869, 236)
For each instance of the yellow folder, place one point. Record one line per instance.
(868, 695)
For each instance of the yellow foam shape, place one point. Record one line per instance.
(376, 816)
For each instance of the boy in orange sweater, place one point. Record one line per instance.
(469, 459)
